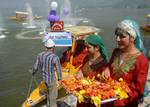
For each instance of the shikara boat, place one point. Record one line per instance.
(146, 27)
(22, 16)
(38, 95)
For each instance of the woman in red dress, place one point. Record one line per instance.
(95, 61)
(128, 62)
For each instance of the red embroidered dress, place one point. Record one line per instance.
(96, 66)
(134, 71)
(91, 71)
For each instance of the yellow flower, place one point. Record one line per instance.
(80, 97)
(96, 100)
(85, 82)
(121, 93)
(82, 91)
(120, 79)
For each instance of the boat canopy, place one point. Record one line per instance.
(78, 31)
(20, 12)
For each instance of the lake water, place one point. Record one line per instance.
(17, 55)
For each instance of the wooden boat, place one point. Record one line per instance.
(22, 16)
(79, 32)
(37, 96)
(146, 27)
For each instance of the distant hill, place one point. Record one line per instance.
(133, 4)
(112, 3)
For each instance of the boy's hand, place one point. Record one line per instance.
(32, 72)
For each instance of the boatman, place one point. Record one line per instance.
(47, 61)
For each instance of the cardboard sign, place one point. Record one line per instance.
(60, 38)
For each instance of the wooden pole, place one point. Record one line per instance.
(72, 49)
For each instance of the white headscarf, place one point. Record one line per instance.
(127, 26)
(132, 28)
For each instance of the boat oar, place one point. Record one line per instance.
(31, 82)
(31, 71)
(30, 86)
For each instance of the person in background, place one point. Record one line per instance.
(78, 55)
(128, 62)
(47, 61)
